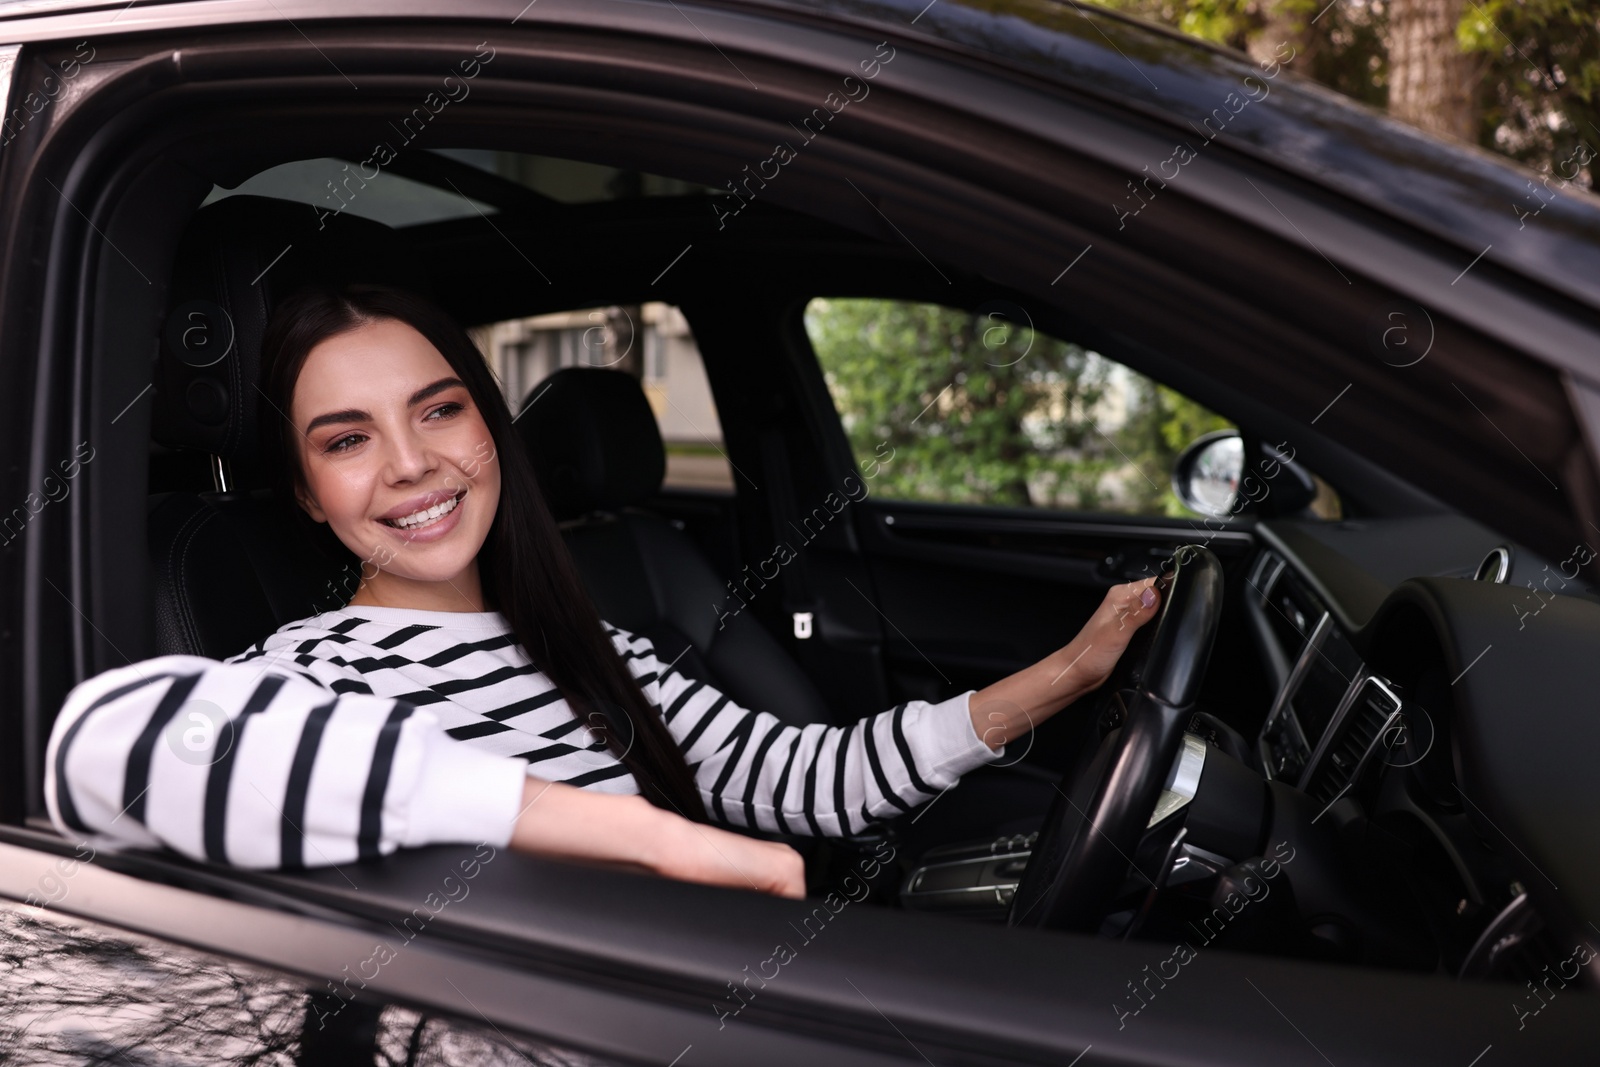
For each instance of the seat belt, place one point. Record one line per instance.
(802, 607)
(799, 602)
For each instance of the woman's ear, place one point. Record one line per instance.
(309, 503)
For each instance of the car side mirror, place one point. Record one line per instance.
(1211, 477)
(1206, 474)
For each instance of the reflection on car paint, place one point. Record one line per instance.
(78, 992)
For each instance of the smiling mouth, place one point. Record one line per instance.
(423, 519)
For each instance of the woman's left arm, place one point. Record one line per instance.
(1018, 702)
(756, 771)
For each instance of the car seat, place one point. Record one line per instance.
(597, 450)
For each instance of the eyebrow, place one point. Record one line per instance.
(357, 415)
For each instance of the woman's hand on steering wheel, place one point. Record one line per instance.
(1094, 653)
(1080, 859)
(1019, 702)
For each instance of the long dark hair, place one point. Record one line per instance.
(527, 573)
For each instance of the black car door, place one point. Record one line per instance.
(75, 990)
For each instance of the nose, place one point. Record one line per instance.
(409, 455)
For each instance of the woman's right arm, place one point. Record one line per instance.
(290, 761)
(266, 765)
(626, 830)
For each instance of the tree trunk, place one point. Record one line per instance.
(1430, 79)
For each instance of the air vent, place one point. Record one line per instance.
(1267, 567)
(1288, 604)
(1353, 737)
(1496, 566)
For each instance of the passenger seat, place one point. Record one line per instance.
(597, 450)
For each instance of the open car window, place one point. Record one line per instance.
(980, 408)
(912, 600)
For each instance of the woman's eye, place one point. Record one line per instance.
(337, 446)
(349, 441)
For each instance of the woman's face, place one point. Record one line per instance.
(386, 430)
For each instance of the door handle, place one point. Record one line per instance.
(1132, 564)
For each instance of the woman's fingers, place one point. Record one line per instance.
(1094, 652)
(1129, 606)
(786, 871)
(713, 856)
(745, 863)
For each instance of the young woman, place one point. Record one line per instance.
(469, 691)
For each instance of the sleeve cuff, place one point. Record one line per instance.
(954, 746)
(464, 795)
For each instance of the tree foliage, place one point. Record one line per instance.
(1540, 94)
(979, 408)
(1536, 95)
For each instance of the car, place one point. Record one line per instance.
(1337, 807)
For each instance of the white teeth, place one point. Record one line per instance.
(426, 516)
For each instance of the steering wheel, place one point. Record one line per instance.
(1094, 825)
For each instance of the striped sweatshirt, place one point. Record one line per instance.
(355, 732)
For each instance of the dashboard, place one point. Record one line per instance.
(1387, 715)
(1346, 680)
(1332, 712)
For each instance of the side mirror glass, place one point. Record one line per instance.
(1212, 478)
(1206, 474)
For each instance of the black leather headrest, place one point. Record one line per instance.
(593, 440)
(238, 257)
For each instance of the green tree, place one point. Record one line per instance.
(979, 409)
(1341, 45)
(1161, 424)
(1539, 100)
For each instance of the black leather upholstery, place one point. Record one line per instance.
(237, 259)
(594, 439)
(230, 570)
(597, 450)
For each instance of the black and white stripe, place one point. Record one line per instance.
(348, 735)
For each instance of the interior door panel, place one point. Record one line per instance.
(1022, 583)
